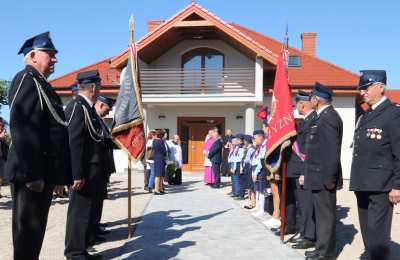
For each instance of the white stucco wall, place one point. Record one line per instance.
(173, 57)
(173, 112)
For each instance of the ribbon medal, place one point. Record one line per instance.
(374, 133)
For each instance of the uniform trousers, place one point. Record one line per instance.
(292, 205)
(216, 168)
(237, 185)
(299, 209)
(29, 219)
(78, 221)
(324, 202)
(375, 215)
(97, 209)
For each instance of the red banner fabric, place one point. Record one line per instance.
(281, 126)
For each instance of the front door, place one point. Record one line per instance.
(197, 134)
(193, 131)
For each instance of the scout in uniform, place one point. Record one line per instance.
(246, 168)
(88, 159)
(323, 170)
(235, 158)
(375, 171)
(38, 158)
(259, 174)
(296, 194)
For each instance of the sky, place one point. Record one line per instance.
(352, 34)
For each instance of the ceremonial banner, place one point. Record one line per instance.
(281, 125)
(128, 130)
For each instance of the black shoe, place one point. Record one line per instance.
(238, 198)
(93, 257)
(304, 244)
(287, 232)
(102, 232)
(320, 257)
(103, 225)
(216, 186)
(311, 253)
(157, 193)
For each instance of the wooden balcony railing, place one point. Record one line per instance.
(204, 82)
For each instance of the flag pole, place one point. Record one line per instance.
(131, 28)
(129, 196)
(283, 165)
(283, 200)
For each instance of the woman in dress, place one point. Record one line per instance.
(160, 153)
(208, 173)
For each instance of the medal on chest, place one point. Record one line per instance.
(374, 133)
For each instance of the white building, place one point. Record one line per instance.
(198, 71)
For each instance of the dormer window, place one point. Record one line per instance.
(294, 61)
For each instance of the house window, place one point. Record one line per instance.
(203, 71)
(203, 58)
(294, 61)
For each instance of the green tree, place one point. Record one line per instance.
(3, 92)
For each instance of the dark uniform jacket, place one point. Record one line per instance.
(376, 155)
(215, 153)
(39, 148)
(295, 166)
(109, 149)
(86, 142)
(3, 156)
(323, 149)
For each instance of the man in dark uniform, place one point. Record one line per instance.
(87, 160)
(3, 151)
(227, 143)
(103, 106)
(215, 156)
(38, 159)
(323, 170)
(375, 172)
(298, 198)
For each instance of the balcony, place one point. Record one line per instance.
(178, 85)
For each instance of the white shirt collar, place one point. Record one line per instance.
(309, 113)
(319, 111)
(90, 102)
(374, 106)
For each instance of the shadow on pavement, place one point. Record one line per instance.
(155, 231)
(345, 233)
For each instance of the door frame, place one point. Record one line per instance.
(192, 120)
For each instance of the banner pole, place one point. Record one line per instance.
(283, 201)
(129, 197)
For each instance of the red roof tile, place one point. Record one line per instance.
(109, 76)
(312, 68)
(393, 95)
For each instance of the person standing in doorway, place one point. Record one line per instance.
(215, 156)
(209, 178)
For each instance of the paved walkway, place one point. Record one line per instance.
(196, 222)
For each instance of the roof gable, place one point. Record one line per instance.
(195, 15)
